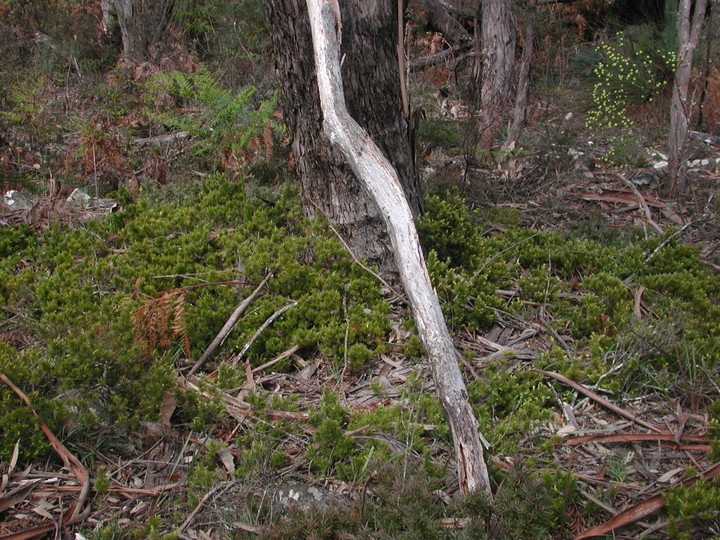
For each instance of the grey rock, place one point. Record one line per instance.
(16, 200)
(645, 179)
(305, 498)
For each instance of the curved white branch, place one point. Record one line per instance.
(380, 180)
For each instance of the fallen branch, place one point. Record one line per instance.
(643, 508)
(160, 140)
(637, 437)
(598, 399)
(438, 58)
(642, 203)
(229, 325)
(380, 181)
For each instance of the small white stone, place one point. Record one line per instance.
(78, 198)
(698, 163)
(660, 165)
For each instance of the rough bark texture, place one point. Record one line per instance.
(372, 93)
(383, 185)
(681, 105)
(498, 66)
(441, 20)
(146, 27)
(519, 113)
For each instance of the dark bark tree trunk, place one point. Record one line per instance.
(688, 28)
(709, 62)
(372, 92)
(498, 65)
(147, 27)
(519, 113)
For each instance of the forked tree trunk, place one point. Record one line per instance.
(681, 106)
(382, 184)
(372, 93)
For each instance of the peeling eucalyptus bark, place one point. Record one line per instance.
(381, 182)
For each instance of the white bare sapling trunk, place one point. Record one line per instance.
(688, 29)
(380, 180)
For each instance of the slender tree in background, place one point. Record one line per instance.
(689, 25)
(519, 112)
(382, 185)
(498, 42)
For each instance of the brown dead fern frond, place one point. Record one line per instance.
(161, 320)
(179, 326)
(268, 141)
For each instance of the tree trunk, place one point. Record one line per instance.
(498, 67)
(441, 20)
(383, 185)
(147, 28)
(372, 92)
(519, 113)
(681, 105)
(713, 30)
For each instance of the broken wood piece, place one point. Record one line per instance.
(637, 302)
(492, 344)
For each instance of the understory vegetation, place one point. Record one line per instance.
(107, 311)
(322, 382)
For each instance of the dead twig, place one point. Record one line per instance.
(643, 204)
(281, 356)
(680, 231)
(354, 257)
(260, 330)
(199, 506)
(598, 399)
(229, 325)
(643, 508)
(82, 475)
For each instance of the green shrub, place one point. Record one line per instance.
(111, 307)
(693, 510)
(632, 69)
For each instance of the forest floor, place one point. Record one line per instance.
(616, 452)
